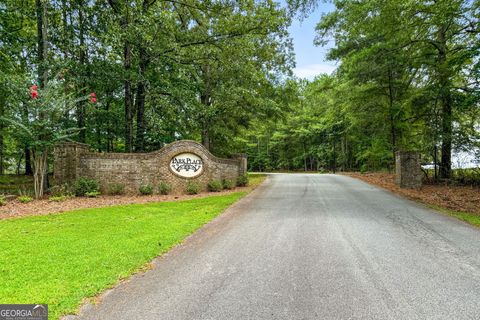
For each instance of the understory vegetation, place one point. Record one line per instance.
(48, 259)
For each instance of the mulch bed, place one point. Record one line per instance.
(457, 198)
(15, 208)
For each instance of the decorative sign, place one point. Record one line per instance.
(187, 165)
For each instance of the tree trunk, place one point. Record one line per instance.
(42, 45)
(393, 129)
(109, 123)
(206, 102)
(28, 162)
(82, 59)
(140, 103)
(446, 100)
(42, 55)
(40, 172)
(206, 137)
(26, 150)
(446, 159)
(127, 55)
(304, 157)
(334, 157)
(19, 164)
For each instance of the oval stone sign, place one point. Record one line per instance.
(187, 165)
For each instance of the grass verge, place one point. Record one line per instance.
(461, 202)
(63, 258)
(254, 179)
(471, 218)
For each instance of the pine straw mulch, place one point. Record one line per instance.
(14, 208)
(457, 198)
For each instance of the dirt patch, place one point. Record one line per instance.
(15, 208)
(457, 198)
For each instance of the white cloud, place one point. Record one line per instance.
(312, 70)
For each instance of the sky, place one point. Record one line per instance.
(310, 59)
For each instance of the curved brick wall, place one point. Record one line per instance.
(74, 160)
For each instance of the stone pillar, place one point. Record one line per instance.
(66, 161)
(243, 163)
(408, 172)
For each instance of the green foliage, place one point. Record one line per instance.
(146, 189)
(43, 127)
(215, 186)
(3, 200)
(242, 180)
(467, 176)
(116, 189)
(61, 190)
(219, 72)
(164, 188)
(16, 184)
(192, 188)
(25, 199)
(228, 184)
(80, 254)
(92, 194)
(85, 185)
(59, 198)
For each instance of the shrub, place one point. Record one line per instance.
(23, 191)
(228, 184)
(58, 198)
(85, 185)
(61, 190)
(116, 189)
(3, 200)
(25, 199)
(192, 188)
(215, 186)
(92, 194)
(164, 188)
(242, 180)
(146, 189)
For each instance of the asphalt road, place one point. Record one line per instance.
(311, 247)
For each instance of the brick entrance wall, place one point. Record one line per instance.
(74, 160)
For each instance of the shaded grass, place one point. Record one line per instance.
(61, 259)
(16, 184)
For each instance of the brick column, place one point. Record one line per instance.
(243, 163)
(66, 161)
(408, 172)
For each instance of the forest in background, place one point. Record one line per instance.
(132, 76)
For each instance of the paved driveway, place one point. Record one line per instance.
(312, 247)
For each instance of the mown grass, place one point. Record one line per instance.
(254, 179)
(61, 259)
(471, 218)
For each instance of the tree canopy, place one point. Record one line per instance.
(220, 72)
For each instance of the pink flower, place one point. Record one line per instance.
(93, 97)
(34, 92)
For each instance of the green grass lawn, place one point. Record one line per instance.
(61, 259)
